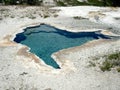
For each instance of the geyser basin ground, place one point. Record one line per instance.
(45, 40)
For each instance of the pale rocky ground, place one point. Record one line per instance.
(20, 70)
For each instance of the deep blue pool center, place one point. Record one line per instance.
(44, 40)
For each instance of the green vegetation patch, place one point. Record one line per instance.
(111, 61)
(46, 16)
(106, 66)
(115, 56)
(60, 3)
(64, 2)
(79, 17)
(88, 2)
(96, 2)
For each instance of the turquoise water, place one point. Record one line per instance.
(45, 40)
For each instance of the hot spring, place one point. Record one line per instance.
(44, 40)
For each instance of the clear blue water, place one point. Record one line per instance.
(45, 40)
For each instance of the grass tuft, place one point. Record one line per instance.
(118, 69)
(114, 56)
(79, 18)
(106, 66)
(112, 60)
(46, 16)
